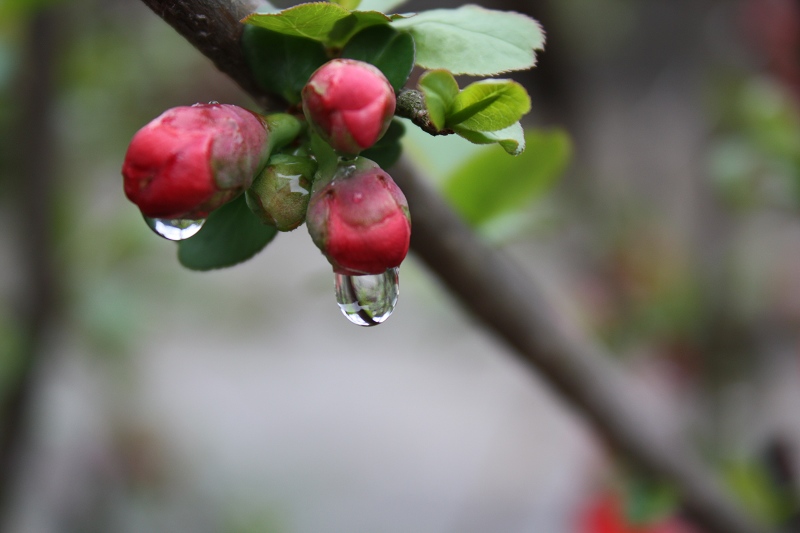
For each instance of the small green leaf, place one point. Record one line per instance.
(491, 183)
(440, 89)
(347, 4)
(387, 150)
(231, 234)
(474, 40)
(331, 24)
(384, 6)
(281, 64)
(489, 105)
(386, 48)
(511, 139)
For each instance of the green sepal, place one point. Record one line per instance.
(283, 129)
(231, 234)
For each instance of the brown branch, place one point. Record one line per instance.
(511, 304)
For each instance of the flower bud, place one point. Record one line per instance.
(349, 103)
(279, 195)
(191, 160)
(359, 219)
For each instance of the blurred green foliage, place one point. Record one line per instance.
(755, 160)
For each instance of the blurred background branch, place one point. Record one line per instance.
(36, 169)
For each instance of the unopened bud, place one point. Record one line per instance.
(349, 103)
(191, 160)
(359, 219)
(279, 195)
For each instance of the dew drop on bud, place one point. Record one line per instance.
(174, 229)
(368, 300)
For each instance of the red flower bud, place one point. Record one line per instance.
(359, 219)
(349, 103)
(191, 160)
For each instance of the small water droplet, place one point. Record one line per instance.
(368, 300)
(174, 229)
(213, 102)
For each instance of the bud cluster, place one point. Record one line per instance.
(191, 160)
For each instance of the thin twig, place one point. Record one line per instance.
(411, 105)
(512, 305)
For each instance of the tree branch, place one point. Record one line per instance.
(511, 304)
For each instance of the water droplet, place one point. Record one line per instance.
(368, 300)
(174, 229)
(213, 102)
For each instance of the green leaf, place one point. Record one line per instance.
(384, 6)
(489, 105)
(331, 24)
(440, 89)
(491, 183)
(387, 150)
(281, 64)
(347, 4)
(474, 40)
(386, 48)
(511, 139)
(231, 234)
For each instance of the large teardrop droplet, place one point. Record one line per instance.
(176, 229)
(368, 300)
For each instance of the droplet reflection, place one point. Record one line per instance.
(368, 300)
(174, 229)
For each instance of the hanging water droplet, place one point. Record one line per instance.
(368, 300)
(174, 229)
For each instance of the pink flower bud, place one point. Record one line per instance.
(360, 220)
(191, 160)
(349, 103)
